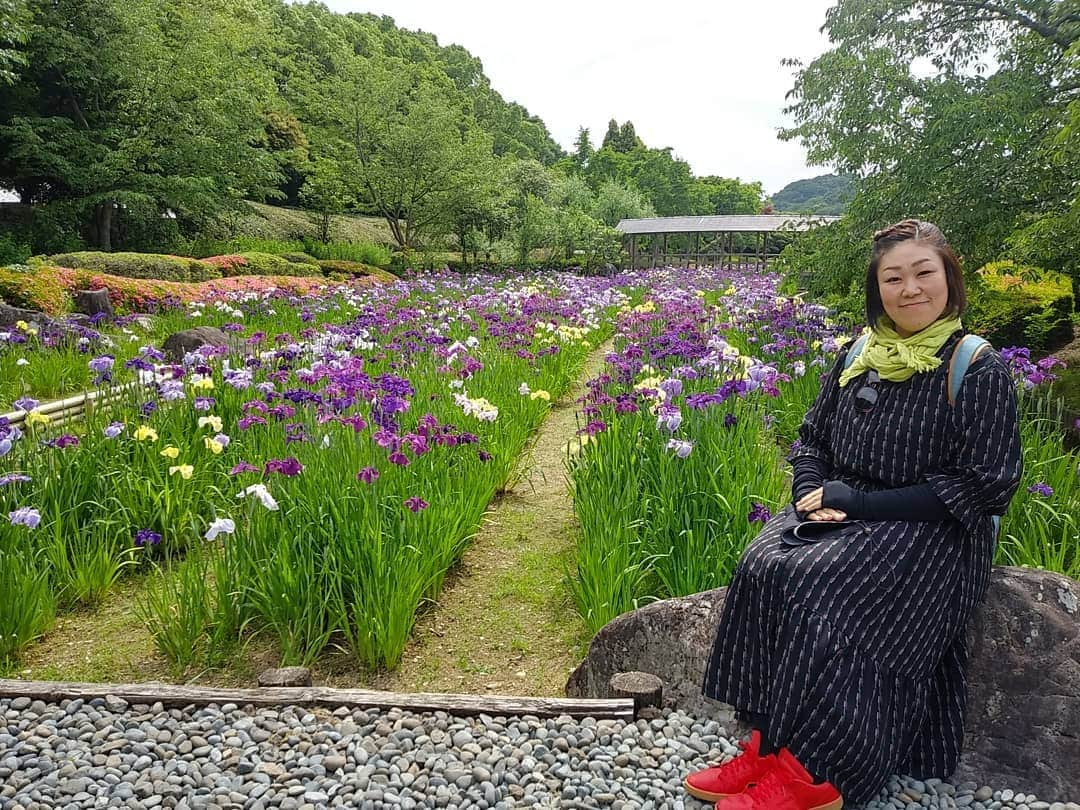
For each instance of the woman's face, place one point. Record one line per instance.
(913, 286)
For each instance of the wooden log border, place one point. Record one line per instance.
(467, 705)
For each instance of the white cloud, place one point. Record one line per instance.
(701, 77)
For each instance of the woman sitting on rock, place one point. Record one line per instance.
(842, 638)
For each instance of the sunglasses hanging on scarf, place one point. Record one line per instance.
(867, 396)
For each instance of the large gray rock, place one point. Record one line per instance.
(1023, 707)
(180, 343)
(93, 302)
(10, 315)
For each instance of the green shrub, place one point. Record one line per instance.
(159, 266)
(13, 251)
(1018, 305)
(261, 264)
(299, 257)
(363, 252)
(340, 268)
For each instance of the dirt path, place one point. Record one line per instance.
(503, 624)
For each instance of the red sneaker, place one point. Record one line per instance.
(787, 786)
(719, 782)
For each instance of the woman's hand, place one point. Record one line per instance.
(811, 503)
(827, 514)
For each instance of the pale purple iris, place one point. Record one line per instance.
(243, 467)
(113, 430)
(672, 387)
(25, 516)
(204, 403)
(669, 418)
(680, 447)
(102, 365)
(26, 403)
(5, 446)
(14, 478)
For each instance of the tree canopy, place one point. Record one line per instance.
(963, 112)
(137, 123)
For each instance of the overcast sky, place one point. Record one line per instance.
(701, 76)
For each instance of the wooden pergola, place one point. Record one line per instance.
(717, 241)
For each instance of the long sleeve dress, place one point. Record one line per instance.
(853, 648)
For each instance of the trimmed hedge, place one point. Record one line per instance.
(1016, 305)
(138, 265)
(299, 258)
(341, 267)
(50, 289)
(254, 263)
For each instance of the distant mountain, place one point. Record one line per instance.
(827, 194)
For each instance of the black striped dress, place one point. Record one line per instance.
(854, 647)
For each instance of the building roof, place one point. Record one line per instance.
(753, 223)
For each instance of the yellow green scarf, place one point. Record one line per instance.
(897, 358)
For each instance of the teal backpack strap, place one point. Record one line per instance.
(856, 347)
(969, 347)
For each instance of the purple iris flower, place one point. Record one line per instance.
(289, 467)
(416, 504)
(1041, 489)
(146, 537)
(399, 458)
(243, 467)
(5, 446)
(244, 422)
(26, 403)
(759, 513)
(14, 478)
(113, 429)
(204, 403)
(730, 419)
(367, 475)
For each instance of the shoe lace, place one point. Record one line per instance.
(771, 792)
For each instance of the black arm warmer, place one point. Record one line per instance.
(808, 474)
(918, 502)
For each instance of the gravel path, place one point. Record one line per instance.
(106, 753)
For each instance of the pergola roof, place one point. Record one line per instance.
(748, 223)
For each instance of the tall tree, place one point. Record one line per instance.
(415, 150)
(138, 106)
(980, 146)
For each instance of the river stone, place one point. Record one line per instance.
(180, 343)
(286, 676)
(1023, 676)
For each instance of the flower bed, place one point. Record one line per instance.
(679, 456)
(317, 490)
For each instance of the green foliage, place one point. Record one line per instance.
(965, 119)
(12, 252)
(352, 269)
(824, 194)
(253, 263)
(14, 33)
(362, 252)
(138, 265)
(128, 110)
(829, 264)
(1016, 305)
